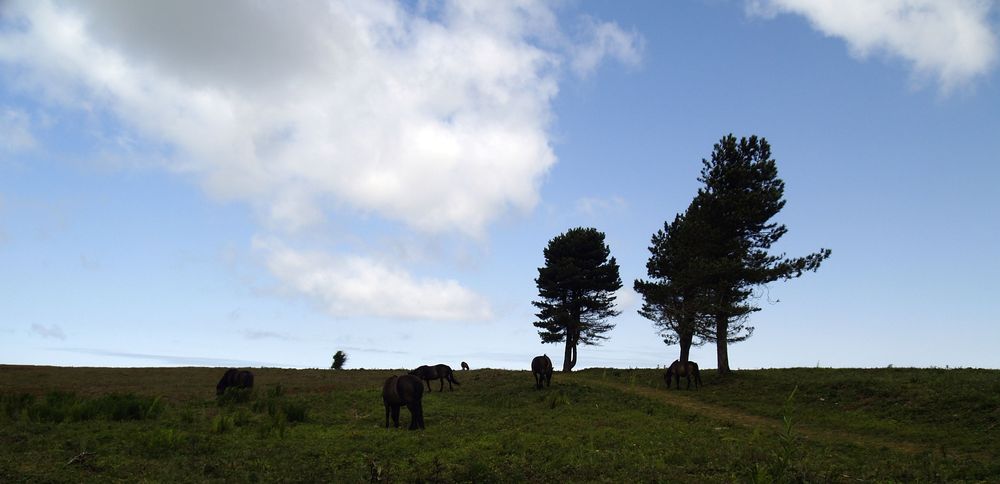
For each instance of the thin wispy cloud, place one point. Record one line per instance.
(592, 206)
(174, 359)
(51, 331)
(953, 41)
(15, 131)
(259, 335)
(605, 40)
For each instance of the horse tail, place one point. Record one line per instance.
(451, 377)
(697, 373)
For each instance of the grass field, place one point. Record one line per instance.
(612, 425)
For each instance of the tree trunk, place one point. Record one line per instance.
(685, 341)
(722, 342)
(569, 358)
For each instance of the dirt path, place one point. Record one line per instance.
(730, 415)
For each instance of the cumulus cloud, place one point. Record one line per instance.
(432, 116)
(951, 40)
(352, 285)
(439, 124)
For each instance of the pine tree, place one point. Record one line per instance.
(675, 298)
(577, 291)
(741, 193)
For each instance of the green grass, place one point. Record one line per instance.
(165, 424)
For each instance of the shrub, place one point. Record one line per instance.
(339, 358)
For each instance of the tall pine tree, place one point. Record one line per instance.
(577, 291)
(741, 193)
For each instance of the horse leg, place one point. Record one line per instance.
(386, 414)
(441, 383)
(416, 415)
(395, 415)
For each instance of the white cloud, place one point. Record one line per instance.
(592, 206)
(627, 300)
(439, 124)
(951, 40)
(352, 285)
(434, 118)
(52, 331)
(15, 131)
(607, 39)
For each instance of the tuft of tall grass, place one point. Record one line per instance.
(222, 424)
(556, 398)
(163, 441)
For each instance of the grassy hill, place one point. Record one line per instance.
(165, 424)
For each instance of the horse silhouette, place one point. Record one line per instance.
(440, 372)
(234, 378)
(676, 370)
(403, 390)
(465, 366)
(541, 368)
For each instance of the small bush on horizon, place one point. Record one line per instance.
(339, 358)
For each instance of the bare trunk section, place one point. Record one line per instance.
(722, 343)
(569, 359)
(686, 340)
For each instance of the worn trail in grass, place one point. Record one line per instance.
(731, 416)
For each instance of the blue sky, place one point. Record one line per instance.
(267, 184)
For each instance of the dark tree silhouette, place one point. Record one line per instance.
(741, 193)
(577, 291)
(339, 358)
(676, 298)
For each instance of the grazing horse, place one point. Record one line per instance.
(676, 370)
(403, 390)
(234, 378)
(541, 368)
(465, 366)
(440, 372)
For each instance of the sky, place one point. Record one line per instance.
(265, 183)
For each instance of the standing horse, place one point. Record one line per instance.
(234, 378)
(541, 368)
(440, 372)
(677, 370)
(465, 366)
(404, 390)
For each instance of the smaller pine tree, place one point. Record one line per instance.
(339, 358)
